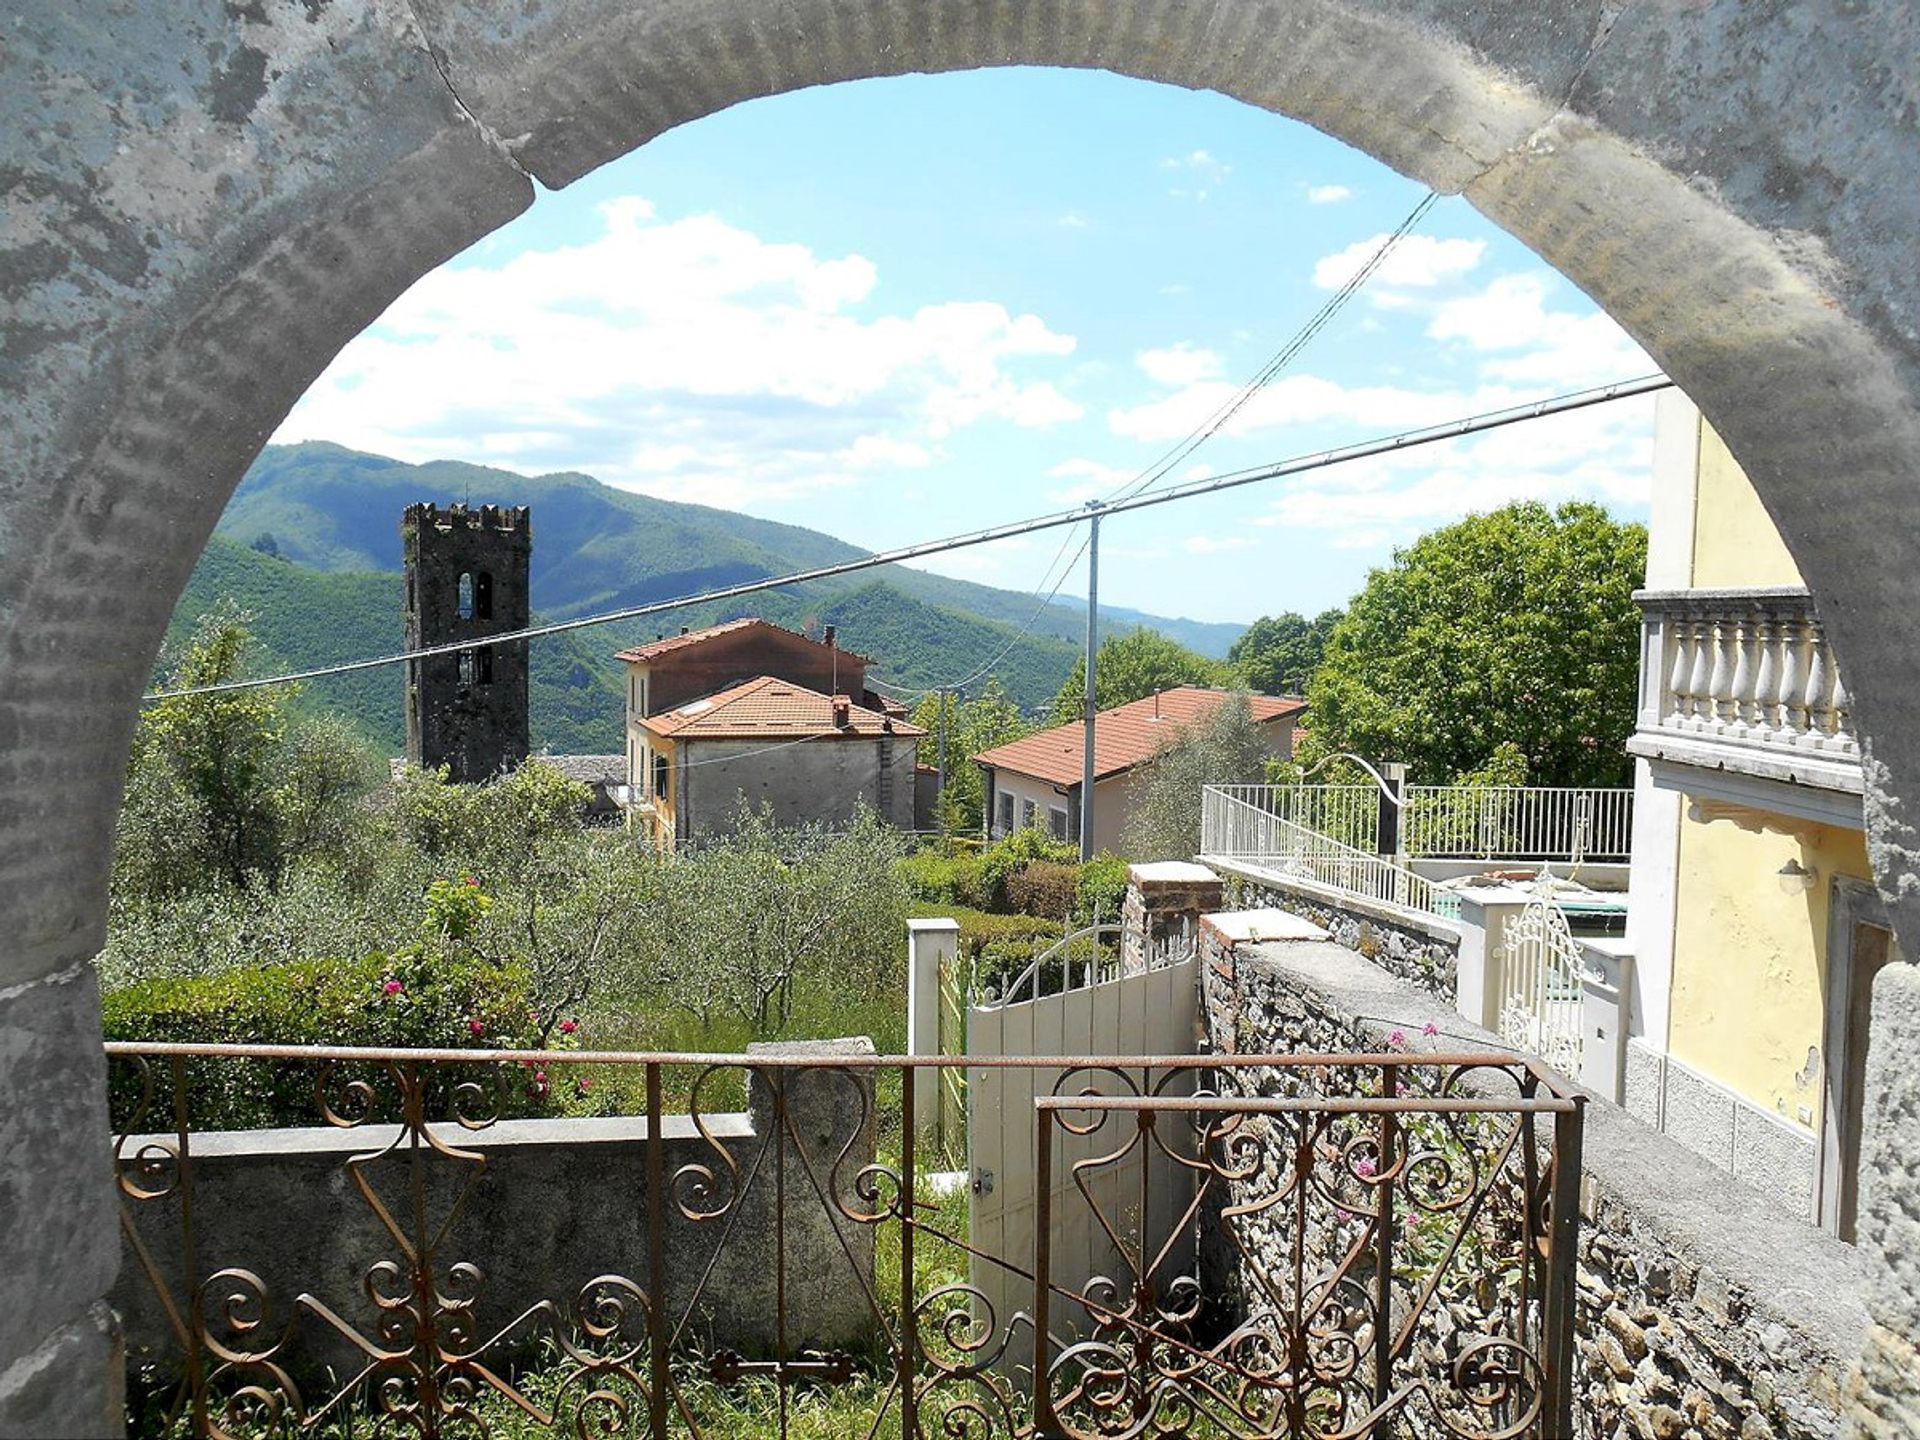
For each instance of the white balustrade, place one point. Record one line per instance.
(1743, 672)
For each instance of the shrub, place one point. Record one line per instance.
(412, 997)
(1102, 889)
(1004, 859)
(1044, 887)
(936, 879)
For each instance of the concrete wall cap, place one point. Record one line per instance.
(1241, 927)
(1170, 872)
(932, 924)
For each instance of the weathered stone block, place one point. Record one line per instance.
(70, 1387)
(56, 1187)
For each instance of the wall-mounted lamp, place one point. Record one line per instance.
(1796, 879)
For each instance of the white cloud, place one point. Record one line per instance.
(1217, 544)
(1601, 454)
(685, 356)
(1525, 341)
(1072, 220)
(1293, 400)
(1180, 364)
(1092, 480)
(1418, 262)
(1328, 194)
(1201, 170)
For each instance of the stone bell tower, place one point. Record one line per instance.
(467, 580)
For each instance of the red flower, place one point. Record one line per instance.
(478, 1027)
(583, 1084)
(567, 1027)
(540, 1077)
(393, 987)
(468, 880)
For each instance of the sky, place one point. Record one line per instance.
(903, 308)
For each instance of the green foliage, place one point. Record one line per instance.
(1225, 748)
(991, 718)
(1102, 889)
(1517, 626)
(229, 789)
(421, 995)
(1045, 887)
(1277, 654)
(1131, 667)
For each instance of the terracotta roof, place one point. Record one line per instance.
(767, 707)
(1124, 736)
(667, 644)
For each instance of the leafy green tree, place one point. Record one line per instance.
(1226, 747)
(1277, 654)
(1131, 667)
(990, 718)
(1513, 627)
(229, 789)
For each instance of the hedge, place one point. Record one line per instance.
(416, 997)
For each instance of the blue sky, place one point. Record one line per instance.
(899, 308)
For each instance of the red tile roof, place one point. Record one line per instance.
(1124, 736)
(767, 707)
(668, 644)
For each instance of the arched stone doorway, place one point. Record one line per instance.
(206, 198)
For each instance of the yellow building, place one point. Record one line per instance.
(1754, 925)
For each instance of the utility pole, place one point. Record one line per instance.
(1090, 705)
(940, 788)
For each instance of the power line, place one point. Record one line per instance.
(1282, 358)
(1318, 460)
(1026, 628)
(1147, 478)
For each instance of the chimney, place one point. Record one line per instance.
(683, 629)
(827, 639)
(842, 712)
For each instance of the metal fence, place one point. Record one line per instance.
(1402, 1227)
(1236, 824)
(1518, 822)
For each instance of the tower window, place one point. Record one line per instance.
(483, 596)
(464, 604)
(466, 669)
(484, 666)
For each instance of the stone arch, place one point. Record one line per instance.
(206, 200)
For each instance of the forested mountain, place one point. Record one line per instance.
(595, 547)
(311, 545)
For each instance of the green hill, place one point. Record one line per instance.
(330, 589)
(598, 548)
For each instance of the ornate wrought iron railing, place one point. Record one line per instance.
(1385, 1240)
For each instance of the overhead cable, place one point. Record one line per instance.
(1317, 460)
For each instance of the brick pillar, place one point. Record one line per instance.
(1164, 899)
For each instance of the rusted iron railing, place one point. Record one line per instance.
(1366, 1245)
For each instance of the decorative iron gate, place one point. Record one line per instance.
(1393, 1242)
(1541, 976)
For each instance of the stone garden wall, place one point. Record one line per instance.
(1705, 1312)
(1423, 950)
(559, 1205)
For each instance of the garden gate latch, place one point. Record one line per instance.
(983, 1182)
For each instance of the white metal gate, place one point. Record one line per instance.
(1099, 1011)
(1541, 975)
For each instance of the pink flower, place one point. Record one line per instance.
(478, 1027)
(468, 880)
(393, 987)
(567, 1027)
(1397, 1039)
(583, 1084)
(540, 1077)
(536, 1091)
(1429, 1029)
(1365, 1167)
(1342, 1212)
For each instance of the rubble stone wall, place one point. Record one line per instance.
(1705, 1312)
